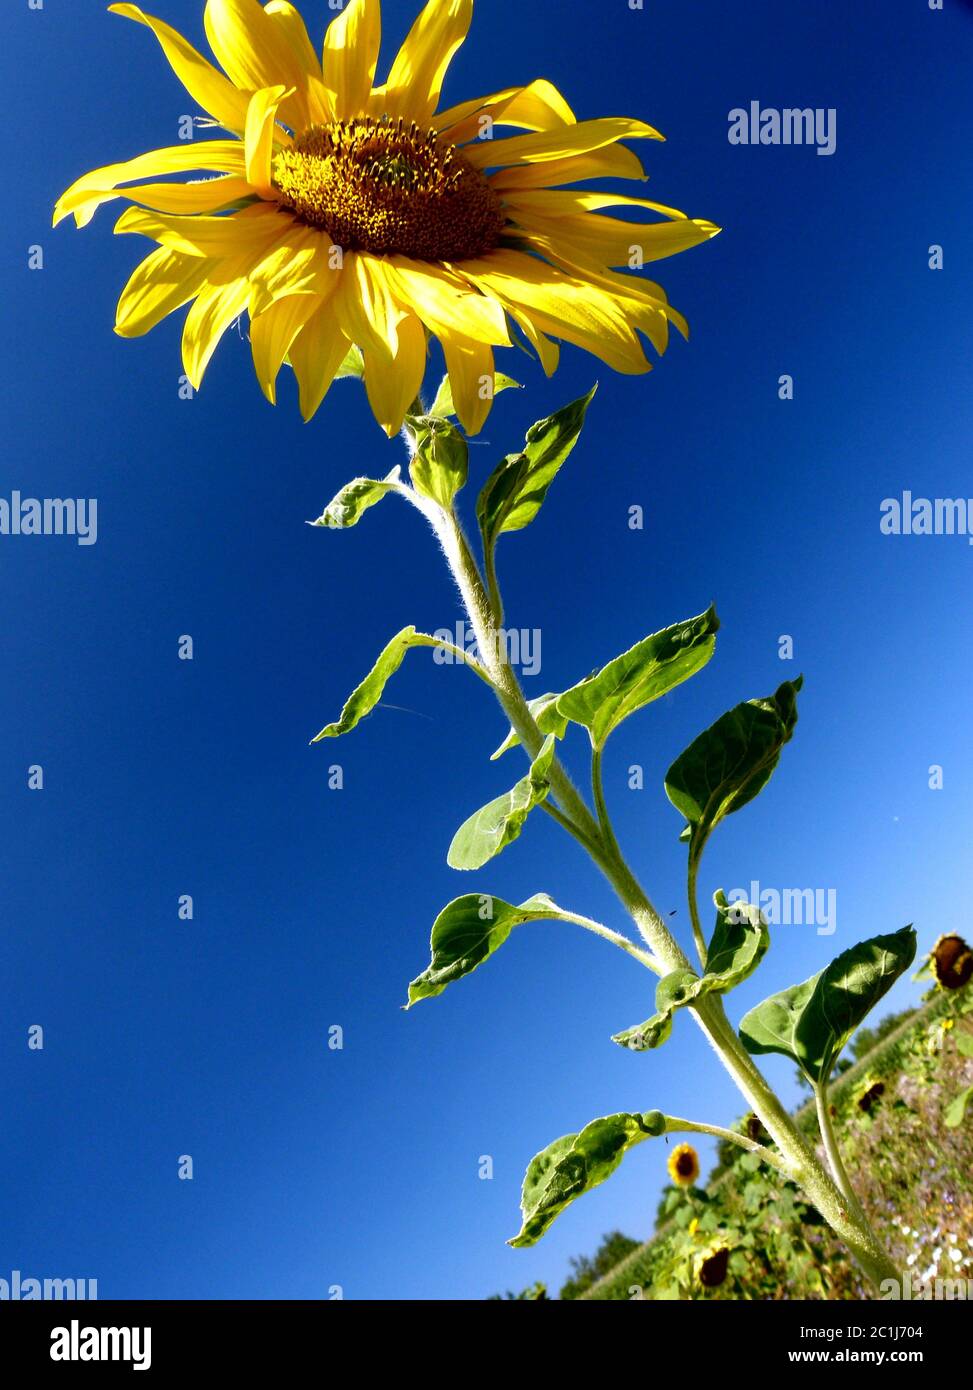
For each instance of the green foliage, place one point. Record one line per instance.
(467, 932)
(584, 1270)
(576, 1163)
(811, 1022)
(497, 824)
(729, 763)
(513, 493)
(443, 405)
(440, 464)
(366, 696)
(647, 671)
(740, 939)
(546, 716)
(348, 506)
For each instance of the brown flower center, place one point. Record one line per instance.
(384, 186)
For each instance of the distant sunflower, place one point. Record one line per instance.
(683, 1165)
(348, 215)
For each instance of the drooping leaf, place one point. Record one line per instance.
(513, 493)
(577, 1163)
(955, 1111)
(811, 1022)
(366, 696)
(440, 465)
(731, 761)
(633, 680)
(497, 824)
(546, 717)
(443, 405)
(467, 932)
(740, 939)
(355, 498)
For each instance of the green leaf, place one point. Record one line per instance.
(440, 465)
(443, 405)
(740, 939)
(513, 493)
(955, 1111)
(633, 680)
(355, 498)
(353, 364)
(497, 824)
(812, 1021)
(366, 696)
(546, 717)
(730, 762)
(467, 932)
(577, 1163)
(964, 1041)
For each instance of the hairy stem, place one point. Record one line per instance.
(830, 1140)
(798, 1159)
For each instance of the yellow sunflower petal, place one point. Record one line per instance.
(254, 51)
(446, 304)
(548, 352)
(272, 333)
(367, 305)
(87, 194)
(561, 305)
(645, 303)
(538, 106)
(610, 162)
(316, 354)
(393, 384)
(207, 236)
(293, 28)
(564, 140)
(261, 132)
(297, 262)
(202, 196)
(162, 283)
(350, 54)
(416, 77)
(215, 94)
(564, 202)
(471, 376)
(611, 241)
(216, 307)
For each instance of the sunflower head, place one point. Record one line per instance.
(357, 220)
(868, 1095)
(683, 1165)
(711, 1266)
(952, 962)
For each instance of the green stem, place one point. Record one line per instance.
(616, 939)
(698, 936)
(830, 1140)
(798, 1159)
(675, 1125)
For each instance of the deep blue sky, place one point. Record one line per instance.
(358, 1168)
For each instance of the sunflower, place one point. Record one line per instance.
(711, 1266)
(683, 1165)
(352, 221)
(952, 962)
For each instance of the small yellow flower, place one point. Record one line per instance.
(345, 213)
(683, 1165)
(694, 1225)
